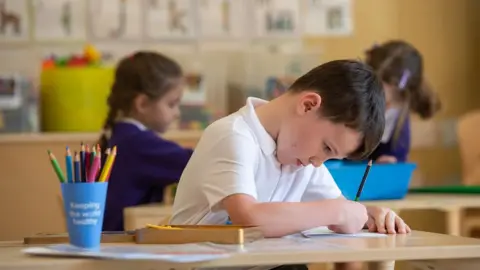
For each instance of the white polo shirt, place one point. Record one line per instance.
(236, 155)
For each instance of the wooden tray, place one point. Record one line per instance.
(182, 234)
(59, 238)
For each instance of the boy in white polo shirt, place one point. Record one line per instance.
(263, 165)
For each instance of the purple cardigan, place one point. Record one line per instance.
(144, 166)
(398, 149)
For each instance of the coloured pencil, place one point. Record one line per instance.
(56, 167)
(77, 168)
(87, 162)
(82, 163)
(92, 155)
(364, 179)
(92, 174)
(99, 151)
(69, 165)
(108, 164)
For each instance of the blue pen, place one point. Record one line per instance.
(69, 166)
(77, 169)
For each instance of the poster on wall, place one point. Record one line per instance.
(221, 18)
(276, 18)
(115, 19)
(59, 20)
(170, 19)
(14, 21)
(328, 18)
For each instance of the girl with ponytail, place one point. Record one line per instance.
(400, 67)
(143, 102)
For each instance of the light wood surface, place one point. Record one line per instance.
(175, 135)
(453, 205)
(415, 246)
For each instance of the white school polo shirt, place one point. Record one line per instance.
(236, 155)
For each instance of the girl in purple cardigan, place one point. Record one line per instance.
(400, 67)
(143, 102)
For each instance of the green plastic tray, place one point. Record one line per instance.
(447, 189)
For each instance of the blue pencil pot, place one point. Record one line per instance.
(84, 208)
(384, 182)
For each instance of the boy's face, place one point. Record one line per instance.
(308, 138)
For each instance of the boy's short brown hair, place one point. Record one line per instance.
(351, 95)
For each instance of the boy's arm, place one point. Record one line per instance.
(228, 182)
(278, 219)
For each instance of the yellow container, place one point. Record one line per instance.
(75, 98)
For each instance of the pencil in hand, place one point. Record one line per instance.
(56, 167)
(365, 175)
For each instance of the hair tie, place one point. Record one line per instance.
(404, 79)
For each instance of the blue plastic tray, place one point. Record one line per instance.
(384, 182)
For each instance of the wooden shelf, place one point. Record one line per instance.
(174, 135)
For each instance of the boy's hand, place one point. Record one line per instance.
(353, 217)
(384, 220)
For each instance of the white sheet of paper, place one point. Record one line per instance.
(325, 232)
(170, 19)
(221, 18)
(173, 253)
(276, 18)
(15, 24)
(59, 20)
(328, 18)
(115, 19)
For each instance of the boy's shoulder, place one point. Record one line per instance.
(233, 125)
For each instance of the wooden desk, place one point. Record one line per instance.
(452, 205)
(427, 249)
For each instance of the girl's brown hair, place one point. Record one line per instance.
(144, 72)
(399, 64)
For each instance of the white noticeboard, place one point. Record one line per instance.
(14, 21)
(115, 19)
(59, 20)
(328, 18)
(170, 19)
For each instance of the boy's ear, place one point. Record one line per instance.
(309, 101)
(141, 103)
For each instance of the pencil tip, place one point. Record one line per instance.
(370, 163)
